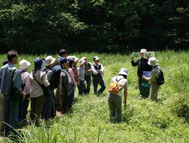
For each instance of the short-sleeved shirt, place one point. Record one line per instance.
(122, 83)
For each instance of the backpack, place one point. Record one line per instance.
(160, 79)
(114, 87)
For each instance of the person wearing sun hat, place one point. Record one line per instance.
(37, 76)
(76, 74)
(81, 71)
(24, 66)
(49, 110)
(97, 74)
(153, 79)
(143, 65)
(115, 100)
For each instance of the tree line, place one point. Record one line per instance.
(38, 26)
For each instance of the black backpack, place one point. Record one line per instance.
(161, 79)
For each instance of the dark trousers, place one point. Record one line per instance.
(72, 96)
(81, 87)
(115, 104)
(58, 101)
(102, 84)
(36, 109)
(140, 80)
(88, 85)
(23, 108)
(65, 104)
(49, 106)
(11, 109)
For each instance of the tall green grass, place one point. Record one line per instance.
(143, 120)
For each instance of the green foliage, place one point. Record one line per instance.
(144, 121)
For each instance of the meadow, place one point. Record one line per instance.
(144, 121)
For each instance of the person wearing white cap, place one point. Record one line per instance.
(24, 66)
(115, 99)
(76, 74)
(88, 72)
(81, 71)
(97, 73)
(153, 79)
(49, 103)
(142, 66)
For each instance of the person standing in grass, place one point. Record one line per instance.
(81, 71)
(88, 72)
(24, 66)
(154, 77)
(97, 73)
(49, 110)
(64, 88)
(142, 66)
(76, 73)
(2, 103)
(56, 74)
(73, 82)
(37, 78)
(11, 88)
(115, 98)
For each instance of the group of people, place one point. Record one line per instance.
(63, 76)
(18, 87)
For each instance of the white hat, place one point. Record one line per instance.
(50, 60)
(24, 64)
(96, 58)
(69, 57)
(84, 58)
(153, 61)
(82, 61)
(123, 71)
(75, 59)
(143, 51)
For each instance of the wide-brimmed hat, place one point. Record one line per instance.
(96, 58)
(143, 51)
(123, 71)
(24, 64)
(153, 61)
(84, 58)
(75, 59)
(39, 63)
(81, 62)
(50, 60)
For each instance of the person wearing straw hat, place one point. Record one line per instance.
(97, 73)
(115, 99)
(76, 74)
(142, 66)
(37, 78)
(153, 79)
(88, 72)
(24, 66)
(49, 110)
(81, 71)
(64, 88)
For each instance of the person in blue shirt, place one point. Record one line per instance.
(9, 74)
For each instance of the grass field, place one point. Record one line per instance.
(143, 121)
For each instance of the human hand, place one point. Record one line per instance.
(132, 58)
(125, 102)
(23, 95)
(143, 77)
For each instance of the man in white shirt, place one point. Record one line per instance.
(97, 73)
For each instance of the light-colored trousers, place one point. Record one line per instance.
(154, 91)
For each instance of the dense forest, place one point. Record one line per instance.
(37, 26)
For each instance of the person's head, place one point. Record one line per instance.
(84, 58)
(38, 63)
(143, 53)
(124, 72)
(82, 62)
(12, 56)
(75, 59)
(5, 62)
(71, 64)
(96, 60)
(153, 62)
(24, 65)
(50, 61)
(64, 63)
(63, 53)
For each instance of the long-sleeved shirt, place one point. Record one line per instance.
(142, 66)
(100, 67)
(36, 90)
(154, 75)
(71, 74)
(81, 71)
(5, 79)
(76, 74)
(26, 82)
